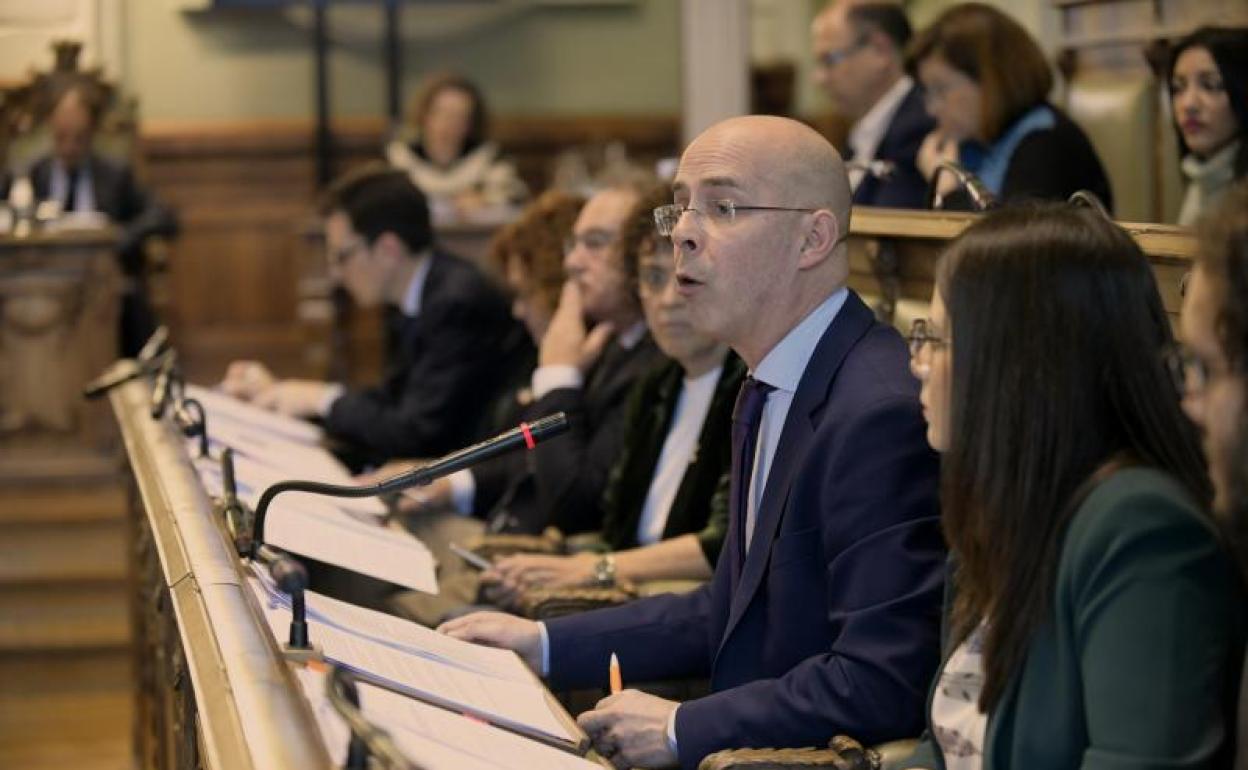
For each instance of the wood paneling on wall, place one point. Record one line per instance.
(245, 190)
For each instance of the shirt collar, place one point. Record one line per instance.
(785, 363)
(705, 380)
(868, 132)
(629, 338)
(410, 306)
(1217, 169)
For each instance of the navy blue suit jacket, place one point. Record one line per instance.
(831, 623)
(906, 188)
(442, 368)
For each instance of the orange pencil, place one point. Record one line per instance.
(617, 681)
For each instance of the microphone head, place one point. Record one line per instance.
(155, 344)
(289, 574)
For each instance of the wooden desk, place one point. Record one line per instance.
(59, 306)
(212, 688)
(893, 254)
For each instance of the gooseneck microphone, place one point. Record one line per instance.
(149, 359)
(527, 435)
(1089, 199)
(981, 197)
(291, 579)
(167, 379)
(367, 739)
(238, 519)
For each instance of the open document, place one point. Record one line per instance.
(316, 528)
(345, 532)
(434, 738)
(491, 685)
(240, 415)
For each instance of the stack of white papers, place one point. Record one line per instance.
(347, 532)
(219, 406)
(434, 738)
(491, 684)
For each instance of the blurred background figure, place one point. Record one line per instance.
(86, 184)
(1208, 79)
(987, 84)
(528, 253)
(664, 509)
(860, 66)
(449, 155)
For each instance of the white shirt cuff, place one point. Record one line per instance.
(463, 491)
(333, 392)
(671, 732)
(541, 630)
(555, 376)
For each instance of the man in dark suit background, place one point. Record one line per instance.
(83, 181)
(822, 616)
(452, 331)
(859, 50)
(594, 349)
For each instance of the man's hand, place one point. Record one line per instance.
(567, 342)
(245, 379)
(510, 575)
(630, 729)
(938, 146)
(293, 398)
(498, 629)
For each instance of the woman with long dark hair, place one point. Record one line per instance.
(1095, 618)
(1208, 80)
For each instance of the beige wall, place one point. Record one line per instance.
(620, 59)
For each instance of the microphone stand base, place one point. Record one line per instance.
(302, 655)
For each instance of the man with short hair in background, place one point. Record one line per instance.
(450, 330)
(859, 48)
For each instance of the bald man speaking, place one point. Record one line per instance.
(822, 616)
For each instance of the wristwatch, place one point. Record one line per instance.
(604, 571)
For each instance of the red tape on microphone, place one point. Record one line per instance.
(528, 435)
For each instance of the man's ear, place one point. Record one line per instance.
(389, 249)
(822, 234)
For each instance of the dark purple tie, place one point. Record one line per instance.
(746, 417)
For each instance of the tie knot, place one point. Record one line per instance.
(751, 400)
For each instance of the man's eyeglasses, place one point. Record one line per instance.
(921, 334)
(829, 59)
(1188, 371)
(340, 256)
(666, 217)
(592, 240)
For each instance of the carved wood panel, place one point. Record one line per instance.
(59, 304)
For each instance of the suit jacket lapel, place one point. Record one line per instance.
(850, 324)
(411, 327)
